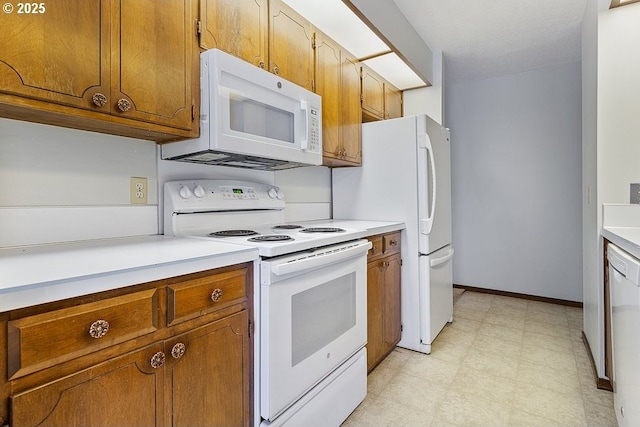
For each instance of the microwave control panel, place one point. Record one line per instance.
(314, 130)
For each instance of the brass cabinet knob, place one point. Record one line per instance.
(99, 328)
(157, 360)
(276, 71)
(216, 295)
(99, 100)
(393, 242)
(124, 104)
(261, 64)
(178, 350)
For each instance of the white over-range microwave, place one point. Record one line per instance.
(251, 118)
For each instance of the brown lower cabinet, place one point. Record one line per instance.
(384, 324)
(191, 372)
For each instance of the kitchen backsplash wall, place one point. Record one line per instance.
(59, 184)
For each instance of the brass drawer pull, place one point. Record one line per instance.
(124, 105)
(216, 295)
(99, 100)
(157, 360)
(178, 350)
(99, 328)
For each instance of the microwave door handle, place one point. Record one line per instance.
(304, 143)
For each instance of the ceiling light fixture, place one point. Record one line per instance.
(617, 3)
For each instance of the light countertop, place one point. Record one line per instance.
(38, 274)
(370, 228)
(621, 226)
(627, 238)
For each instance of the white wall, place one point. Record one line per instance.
(428, 100)
(611, 148)
(59, 184)
(516, 178)
(592, 264)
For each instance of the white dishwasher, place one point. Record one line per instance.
(624, 279)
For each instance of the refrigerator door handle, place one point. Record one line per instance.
(427, 224)
(439, 261)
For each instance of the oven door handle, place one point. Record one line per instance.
(322, 259)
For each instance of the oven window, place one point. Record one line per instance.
(253, 117)
(322, 314)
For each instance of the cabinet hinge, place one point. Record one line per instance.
(193, 112)
(198, 27)
(313, 85)
(250, 328)
(401, 262)
(313, 41)
(401, 328)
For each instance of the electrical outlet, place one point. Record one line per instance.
(138, 190)
(634, 193)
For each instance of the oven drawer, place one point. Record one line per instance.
(44, 340)
(193, 298)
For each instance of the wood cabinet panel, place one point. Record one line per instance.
(61, 55)
(392, 102)
(123, 67)
(214, 366)
(291, 41)
(351, 109)
(120, 392)
(372, 95)
(43, 340)
(392, 312)
(237, 27)
(193, 298)
(152, 68)
(384, 316)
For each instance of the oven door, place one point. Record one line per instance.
(313, 318)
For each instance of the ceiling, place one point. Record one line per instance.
(490, 38)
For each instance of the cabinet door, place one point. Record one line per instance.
(392, 314)
(351, 110)
(215, 367)
(375, 315)
(290, 45)
(392, 102)
(372, 96)
(237, 27)
(121, 392)
(153, 61)
(59, 54)
(328, 86)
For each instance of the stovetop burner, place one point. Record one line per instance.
(233, 233)
(271, 238)
(322, 230)
(286, 227)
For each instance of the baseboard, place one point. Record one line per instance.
(522, 296)
(601, 383)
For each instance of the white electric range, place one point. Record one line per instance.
(311, 306)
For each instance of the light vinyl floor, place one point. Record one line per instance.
(502, 362)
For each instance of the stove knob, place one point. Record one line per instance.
(185, 193)
(279, 194)
(273, 193)
(199, 191)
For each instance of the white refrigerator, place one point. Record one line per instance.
(406, 176)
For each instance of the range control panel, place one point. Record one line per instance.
(220, 195)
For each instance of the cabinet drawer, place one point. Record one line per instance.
(391, 243)
(193, 298)
(43, 340)
(376, 248)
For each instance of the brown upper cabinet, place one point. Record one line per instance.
(338, 82)
(237, 27)
(125, 67)
(380, 99)
(291, 43)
